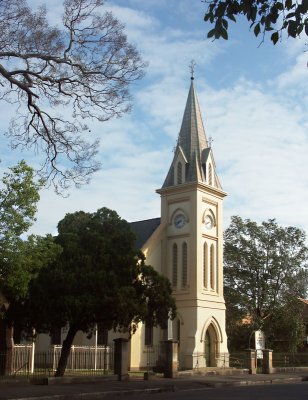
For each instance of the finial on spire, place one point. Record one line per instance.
(178, 141)
(211, 140)
(192, 69)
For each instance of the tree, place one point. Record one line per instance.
(285, 329)
(264, 16)
(19, 194)
(265, 273)
(23, 264)
(98, 278)
(85, 68)
(19, 259)
(28, 258)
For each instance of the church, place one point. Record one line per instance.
(186, 245)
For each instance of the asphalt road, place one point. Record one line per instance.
(291, 391)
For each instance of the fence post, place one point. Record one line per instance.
(72, 357)
(32, 352)
(267, 367)
(251, 361)
(105, 364)
(121, 358)
(171, 369)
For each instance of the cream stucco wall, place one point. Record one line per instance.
(200, 308)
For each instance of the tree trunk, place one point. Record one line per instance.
(3, 347)
(6, 348)
(66, 349)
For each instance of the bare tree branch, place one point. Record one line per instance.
(85, 69)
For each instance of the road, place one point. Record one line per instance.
(291, 391)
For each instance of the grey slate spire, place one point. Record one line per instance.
(192, 135)
(192, 143)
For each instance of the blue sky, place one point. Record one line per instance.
(254, 103)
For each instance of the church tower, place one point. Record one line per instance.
(192, 243)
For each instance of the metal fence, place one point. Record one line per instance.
(290, 360)
(22, 358)
(153, 355)
(237, 360)
(85, 360)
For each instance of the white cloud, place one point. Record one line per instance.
(259, 126)
(261, 147)
(135, 20)
(294, 80)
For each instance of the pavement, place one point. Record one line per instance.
(99, 388)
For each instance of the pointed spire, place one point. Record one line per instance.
(192, 146)
(192, 137)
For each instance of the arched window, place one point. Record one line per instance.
(179, 173)
(175, 265)
(212, 266)
(184, 264)
(210, 175)
(204, 170)
(205, 266)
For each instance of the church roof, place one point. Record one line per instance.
(143, 230)
(192, 144)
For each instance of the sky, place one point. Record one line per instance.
(254, 103)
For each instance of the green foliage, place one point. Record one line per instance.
(20, 260)
(239, 336)
(31, 256)
(265, 270)
(264, 16)
(285, 328)
(154, 291)
(18, 198)
(99, 278)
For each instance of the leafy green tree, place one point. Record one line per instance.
(98, 278)
(22, 267)
(19, 194)
(84, 65)
(285, 328)
(265, 269)
(20, 259)
(30, 256)
(264, 16)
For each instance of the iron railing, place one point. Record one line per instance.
(290, 359)
(153, 354)
(22, 361)
(238, 360)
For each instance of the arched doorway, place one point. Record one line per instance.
(210, 347)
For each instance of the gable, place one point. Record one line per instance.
(143, 230)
